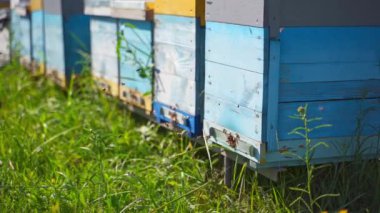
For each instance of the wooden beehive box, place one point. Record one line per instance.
(67, 34)
(265, 59)
(4, 36)
(135, 37)
(104, 60)
(179, 61)
(21, 30)
(38, 38)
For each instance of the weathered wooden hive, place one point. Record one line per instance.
(179, 61)
(265, 59)
(104, 60)
(21, 31)
(135, 35)
(4, 32)
(67, 37)
(37, 35)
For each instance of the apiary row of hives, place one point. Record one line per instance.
(234, 72)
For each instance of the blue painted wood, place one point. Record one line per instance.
(139, 37)
(66, 37)
(21, 42)
(176, 48)
(334, 70)
(38, 39)
(272, 95)
(177, 92)
(244, 121)
(335, 90)
(238, 86)
(236, 46)
(339, 149)
(188, 122)
(345, 116)
(179, 60)
(77, 38)
(330, 54)
(103, 48)
(54, 37)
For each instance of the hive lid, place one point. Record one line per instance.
(132, 9)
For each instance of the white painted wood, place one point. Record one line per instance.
(175, 91)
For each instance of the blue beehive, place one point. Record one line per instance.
(38, 38)
(179, 62)
(21, 31)
(261, 65)
(104, 60)
(135, 31)
(67, 33)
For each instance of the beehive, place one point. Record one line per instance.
(264, 59)
(4, 35)
(135, 35)
(21, 31)
(67, 36)
(38, 39)
(104, 60)
(179, 61)
(104, 55)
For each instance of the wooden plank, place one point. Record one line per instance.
(272, 95)
(176, 46)
(330, 44)
(343, 115)
(335, 90)
(177, 92)
(324, 72)
(55, 51)
(246, 147)
(330, 54)
(175, 60)
(339, 149)
(189, 8)
(242, 12)
(129, 4)
(235, 85)
(244, 121)
(105, 66)
(142, 86)
(104, 37)
(237, 46)
(38, 46)
(133, 14)
(176, 30)
(77, 38)
(24, 36)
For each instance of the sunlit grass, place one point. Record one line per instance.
(81, 151)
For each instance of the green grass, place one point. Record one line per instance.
(81, 151)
